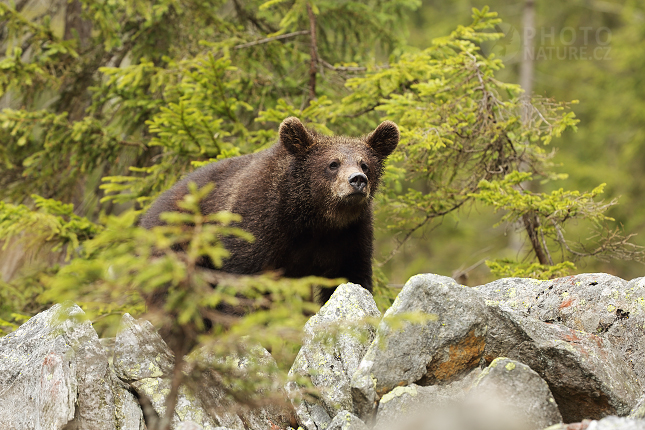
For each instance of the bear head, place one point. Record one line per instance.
(335, 177)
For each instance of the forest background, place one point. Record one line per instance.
(608, 146)
(106, 104)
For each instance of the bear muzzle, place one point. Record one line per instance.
(358, 181)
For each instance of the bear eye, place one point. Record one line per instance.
(364, 167)
(334, 165)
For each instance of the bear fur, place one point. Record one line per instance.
(307, 200)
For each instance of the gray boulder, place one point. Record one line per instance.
(346, 421)
(54, 373)
(601, 304)
(408, 404)
(627, 330)
(587, 376)
(507, 395)
(142, 358)
(444, 347)
(248, 361)
(330, 363)
(190, 425)
(590, 302)
(127, 410)
(518, 294)
(617, 423)
(639, 409)
(596, 303)
(518, 393)
(607, 423)
(139, 351)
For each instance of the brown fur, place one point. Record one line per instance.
(305, 215)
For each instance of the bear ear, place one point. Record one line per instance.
(384, 139)
(294, 136)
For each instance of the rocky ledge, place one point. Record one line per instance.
(516, 354)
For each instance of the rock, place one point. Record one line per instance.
(456, 406)
(639, 409)
(414, 401)
(587, 376)
(572, 426)
(437, 351)
(590, 302)
(575, 342)
(607, 423)
(189, 425)
(213, 392)
(108, 346)
(627, 331)
(139, 351)
(280, 414)
(601, 304)
(95, 408)
(219, 406)
(346, 421)
(403, 402)
(312, 416)
(54, 373)
(127, 411)
(518, 294)
(249, 361)
(188, 407)
(143, 358)
(523, 397)
(596, 303)
(331, 366)
(266, 418)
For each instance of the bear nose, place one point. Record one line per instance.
(358, 181)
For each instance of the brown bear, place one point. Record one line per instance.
(307, 200)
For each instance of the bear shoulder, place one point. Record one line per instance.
(247, 173)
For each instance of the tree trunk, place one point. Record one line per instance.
(526, 64)
(530, 221)
(313, 64)
(74, 23)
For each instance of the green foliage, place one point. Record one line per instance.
(384, 296)
(20, 298)
(47, 153)
(51, 222)
(550, 212)
(50, 56)
(199, 115)
(558, 206)
(507, 268)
